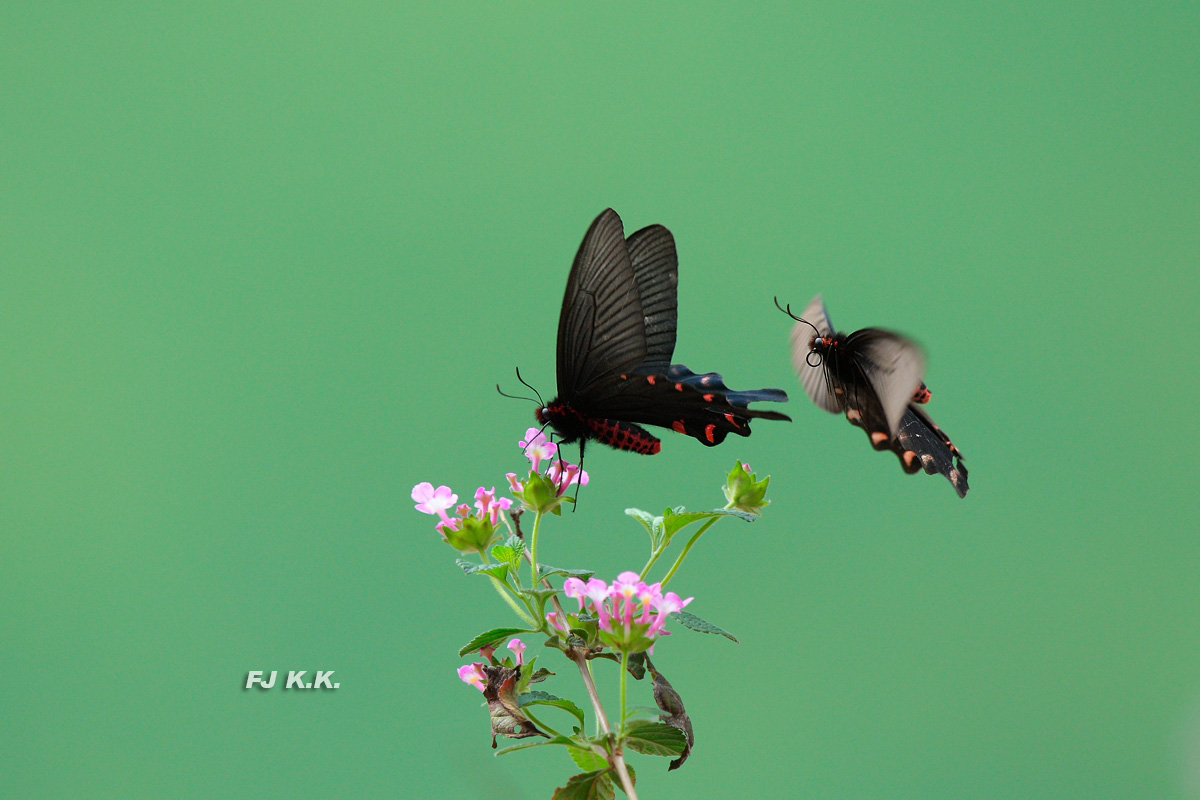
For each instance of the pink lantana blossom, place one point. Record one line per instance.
(564, 474)
(514, 484)
(489, 506)
(518, 649)
(473, 674)
(537, 447)
(434, 501)
(631, 611)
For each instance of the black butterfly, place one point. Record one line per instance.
(874, 376)
(616, 335)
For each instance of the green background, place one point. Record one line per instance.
(262, 265)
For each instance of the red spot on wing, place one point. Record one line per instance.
(708, 398)
(650, 379)
(729, 418)
(679, 387)
(678, 427)
(708, 433)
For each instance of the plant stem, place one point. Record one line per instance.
(618, 758)
(686, 548)
(624, 677)
(502, 590)
(537, 524)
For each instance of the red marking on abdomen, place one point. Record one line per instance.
(623, 436)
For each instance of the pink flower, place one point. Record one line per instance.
(627, 598)
(473, 674)
(518, 650)
(433, 501)
(446, 525)
(564, 474)
(514, 484)
(555, 622)
(489, 506)
(537, 448)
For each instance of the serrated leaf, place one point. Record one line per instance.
(587, 786)
(636, 665)
(540, 675)
(495, 570)
(507, 555)
(689, 620)
(538, 698)
(655, 739)
(582, 574)
(492, 637)
(588, 760)
(674, 522)
(565, 741)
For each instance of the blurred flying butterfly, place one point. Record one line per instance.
(874, 376)
(616, 336)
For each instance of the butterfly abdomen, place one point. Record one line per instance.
(623, 435)
(572, 426)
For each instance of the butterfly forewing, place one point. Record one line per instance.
(814, 380)
(601, 331)
(656, 269)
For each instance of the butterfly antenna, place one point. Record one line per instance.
(527, 386)
(788, 311)
(812, 354)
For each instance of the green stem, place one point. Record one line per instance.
(523, 613)
(624, 677)
(686, 548)
(533, 542)
(653, 557)
(540, 725)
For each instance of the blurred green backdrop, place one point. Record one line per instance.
(262, 265)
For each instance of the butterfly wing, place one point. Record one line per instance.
(656, 269)
(891, 365)
(937, 454)
(700, 406)
(601, 329)
(813, 379)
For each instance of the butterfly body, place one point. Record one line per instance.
(873, 376)
(616, 339)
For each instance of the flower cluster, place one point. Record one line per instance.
(469, 532)
(544, 491)
(630, 613)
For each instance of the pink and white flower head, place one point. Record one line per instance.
(434, 501)
(515, 485)
(537, 447)
(564, 474)
(490, 507)
(631, 611)
(518, 649)
(473, 674)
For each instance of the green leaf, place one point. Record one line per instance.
(537, 698)
(695, 623)
(655, 739)
(494, 637)
(507, 555)
(499, 571)
(673, 522)
(644, 517)
(565, 741)
(587, 786)
(588, 760)
(582, 574)
(540, 674)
